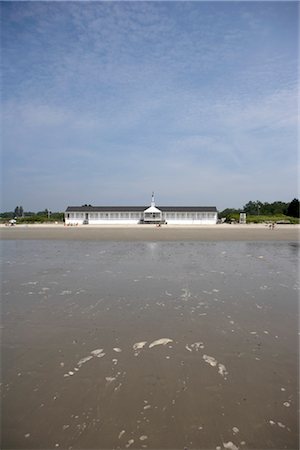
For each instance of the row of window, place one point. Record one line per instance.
(193, 215)
(105, 215)
(137, 215)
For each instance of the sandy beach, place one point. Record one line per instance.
(155, 345)
(150, 337)
(224, 232)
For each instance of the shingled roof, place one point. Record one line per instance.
(89, 208)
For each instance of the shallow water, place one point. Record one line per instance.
(159, 345)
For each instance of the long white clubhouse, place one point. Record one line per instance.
(130, 215)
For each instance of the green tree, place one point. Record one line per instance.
(7, 215)
(253, 208)
(278, 208)
(275, 208)
(229, 214)
(293, 208)
(43, 213)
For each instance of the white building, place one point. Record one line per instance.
(118, 215)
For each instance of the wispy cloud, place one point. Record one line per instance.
(107, 101)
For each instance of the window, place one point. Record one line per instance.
(190, 215)
(171, 215)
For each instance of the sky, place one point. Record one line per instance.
(104, 102)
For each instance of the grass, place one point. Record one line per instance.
(266, 219)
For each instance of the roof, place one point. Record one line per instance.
(140, 208)
(105, 208)
(152, 209)
(188, 208)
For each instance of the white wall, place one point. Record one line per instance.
(78, 218)
(191, 222)
(177, 219)
(73, 221)
(113, 222)
(192, 218)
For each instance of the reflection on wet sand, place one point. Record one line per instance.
(149, 345)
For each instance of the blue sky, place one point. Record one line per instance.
(105, 102)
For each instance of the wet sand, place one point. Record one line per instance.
(158, 345)
(153, 233)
